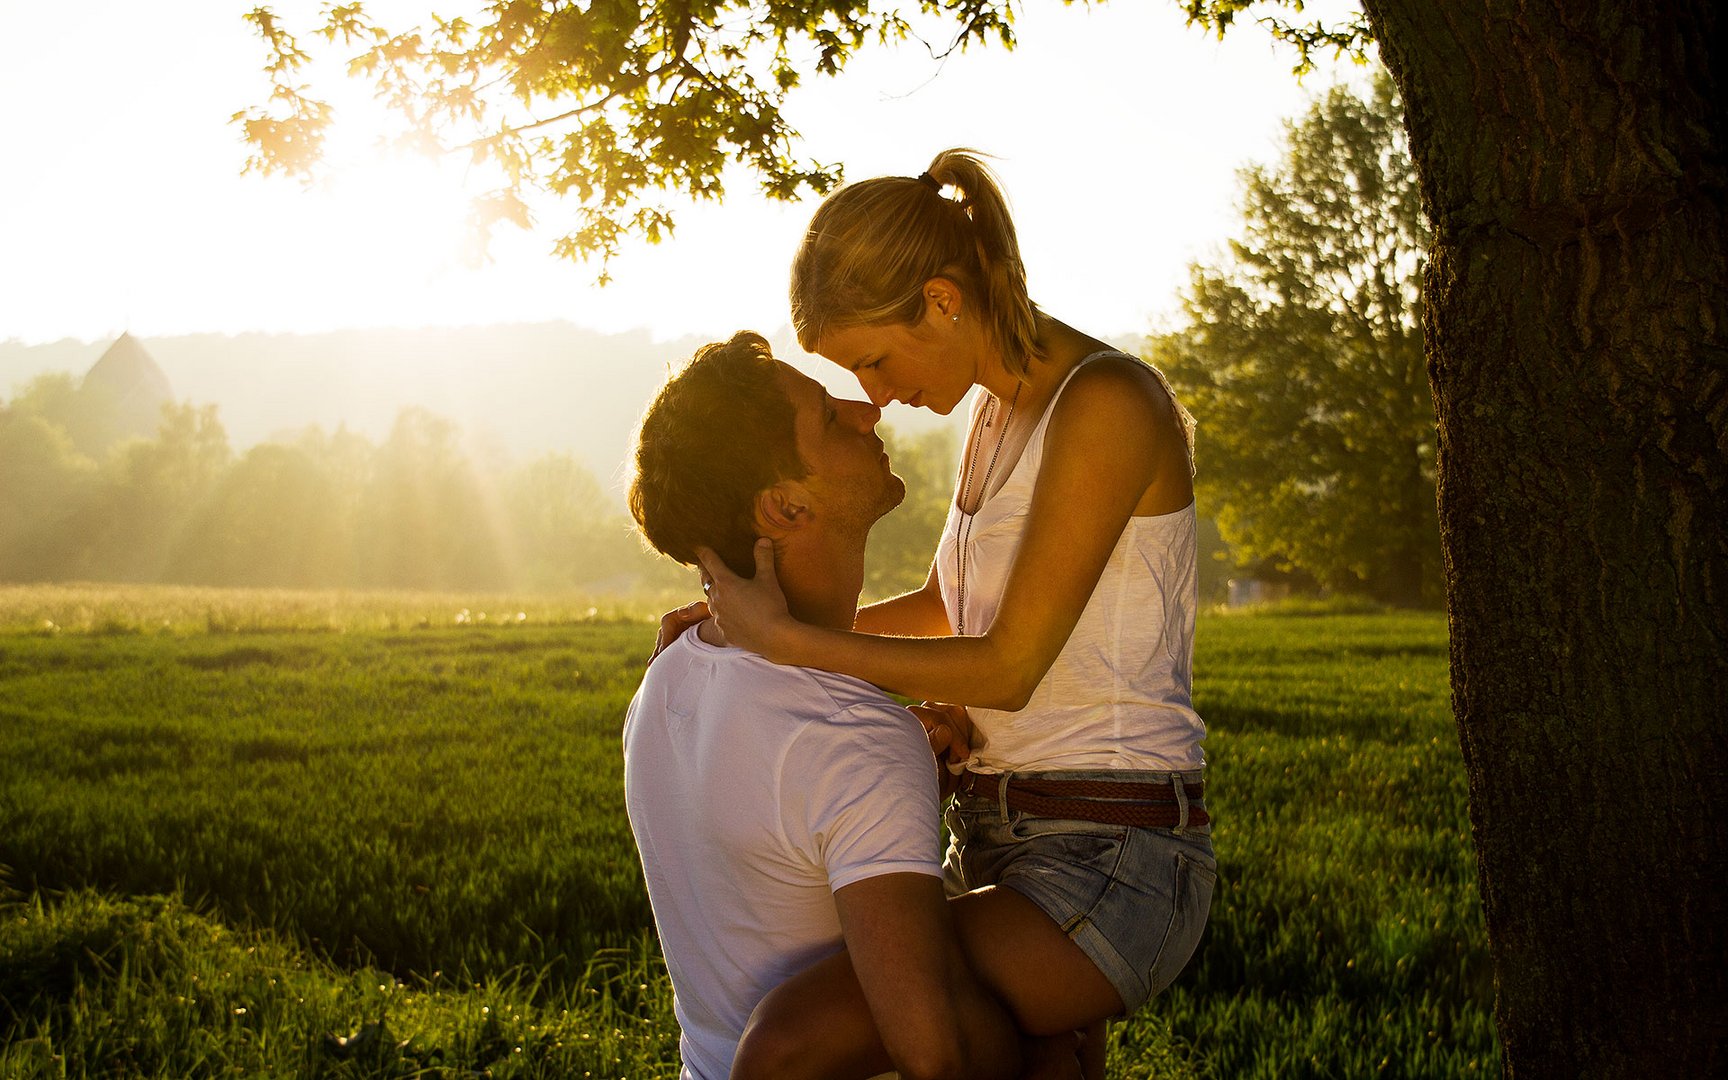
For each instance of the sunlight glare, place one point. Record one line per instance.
(402, 219)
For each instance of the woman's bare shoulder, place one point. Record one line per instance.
(1115, 387)
(1116, 422)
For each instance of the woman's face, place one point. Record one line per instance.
(925, 364)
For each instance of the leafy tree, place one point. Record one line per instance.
(188, 455)
(1572, 166)
(318, 509)
(347, 460)
(52, 397)
(429, 519)
(276, 518)
(44, 481)
(562, 529)
(151, 489)
(88, 417)
(1303, 360)
(567, 97)
(63, 515)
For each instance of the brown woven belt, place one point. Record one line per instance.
(1112, 802)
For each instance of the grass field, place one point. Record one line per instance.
(306, 834)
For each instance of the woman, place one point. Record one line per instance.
(1059, 608)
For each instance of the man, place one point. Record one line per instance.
(783, 813)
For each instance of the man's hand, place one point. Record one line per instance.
(949, 730)
(675, 622)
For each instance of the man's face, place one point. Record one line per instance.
(850, 480)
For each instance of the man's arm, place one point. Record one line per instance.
(923, 1002)
(935, 1020)
(899, 997)
(859, 798)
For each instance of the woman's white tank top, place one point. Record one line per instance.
(1119, 695)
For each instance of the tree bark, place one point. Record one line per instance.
(1572, 162)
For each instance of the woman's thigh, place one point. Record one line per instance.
(1047, 982)
(814, 1026)
(1130, 903)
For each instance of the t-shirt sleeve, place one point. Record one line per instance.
(859, 795)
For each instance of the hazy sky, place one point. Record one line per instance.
(1118, 132)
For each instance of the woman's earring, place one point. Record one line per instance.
(956, 318)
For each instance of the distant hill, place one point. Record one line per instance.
(523, 389)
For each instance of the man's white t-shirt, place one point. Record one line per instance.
(755, 791)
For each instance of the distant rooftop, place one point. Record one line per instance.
(132, 387)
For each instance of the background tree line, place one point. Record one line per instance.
(422, 509)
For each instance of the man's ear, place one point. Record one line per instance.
(781, 509)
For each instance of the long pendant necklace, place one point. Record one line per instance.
(965, 530)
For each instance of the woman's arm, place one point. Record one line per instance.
(919, 613)
(1111, 433)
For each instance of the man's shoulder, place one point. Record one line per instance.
(809, 693)
(821, 696)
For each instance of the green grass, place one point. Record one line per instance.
(307, 808)
(1346, 918)
(430, 800)
(146, 987)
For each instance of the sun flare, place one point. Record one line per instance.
(403, 220)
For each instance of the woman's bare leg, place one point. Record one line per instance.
(817, 1024)
(1094, 1049)
(814, 1026)
(1047, 982)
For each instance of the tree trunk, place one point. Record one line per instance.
(1572, 162)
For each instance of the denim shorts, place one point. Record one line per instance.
(1134, 899)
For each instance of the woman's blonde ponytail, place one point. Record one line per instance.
(1012, 318)
(872, 245)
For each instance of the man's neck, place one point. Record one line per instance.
(821, 575)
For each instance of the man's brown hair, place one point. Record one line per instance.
(720, 431)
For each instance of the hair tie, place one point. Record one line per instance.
(935, 184)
